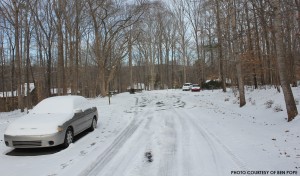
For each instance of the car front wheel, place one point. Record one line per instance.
(94, 124)
(68, 137)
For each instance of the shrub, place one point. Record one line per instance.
(277, 108)
(252, 101)
(269, 104)
(213, 84)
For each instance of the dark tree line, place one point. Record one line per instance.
(91, 47)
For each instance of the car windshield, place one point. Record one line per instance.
(63, 104)
(187, 84)
(195, 85)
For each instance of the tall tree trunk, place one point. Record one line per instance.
(60, 62)
(130, 60)
(160, 56)
(250, 46)
(4, 103)
(258, 49)
(240, 82)
(77, 45)
(48, 70)
(220, 43)
(27, 51)
(287, 91)
(18, 57)
(236, 54)
(60, 48)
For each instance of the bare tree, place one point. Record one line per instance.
(287, 91)
(179, 11)
(109, 22)
(220, 45)
(44, 30)
(28, 20)
(11, 11)
(194, 13)
(59, 9)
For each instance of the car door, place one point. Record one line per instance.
(88, 117)
(78, 122)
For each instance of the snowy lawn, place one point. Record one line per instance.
(171, 132)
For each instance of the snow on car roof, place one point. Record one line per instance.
(60, 104)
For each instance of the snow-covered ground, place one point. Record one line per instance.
(185, 133)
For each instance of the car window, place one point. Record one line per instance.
(63, 104)
(53, 106)
(81, 103)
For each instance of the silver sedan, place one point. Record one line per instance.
(54, 121)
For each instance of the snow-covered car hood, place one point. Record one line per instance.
(37, 124)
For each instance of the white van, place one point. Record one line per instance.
(187, 86)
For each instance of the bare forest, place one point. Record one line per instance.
(92, 47)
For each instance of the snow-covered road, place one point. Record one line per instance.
(186, 134)
(178, 143)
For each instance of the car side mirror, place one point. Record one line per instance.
(77, 111)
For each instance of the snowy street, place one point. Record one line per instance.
(185, 133)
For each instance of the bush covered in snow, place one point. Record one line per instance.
(252, 101)
(269, 104)
(277, 108)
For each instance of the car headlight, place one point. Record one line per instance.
(60, 128)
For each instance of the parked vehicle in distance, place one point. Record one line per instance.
(187, 86)
(54, 121)
(196, 88)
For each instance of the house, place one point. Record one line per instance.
(9, 99)
(137, 87)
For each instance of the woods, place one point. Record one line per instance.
(91, 47)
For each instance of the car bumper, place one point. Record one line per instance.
(195, 90)
(34, 141)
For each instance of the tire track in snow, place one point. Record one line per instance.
(103, 159)
(132, 155)
(162, 138)
(218, 109)
(180, 125)
(189, 128)
(210, 144)
(241, 164)
(212, 140)
(183, 147)
(167, 161)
